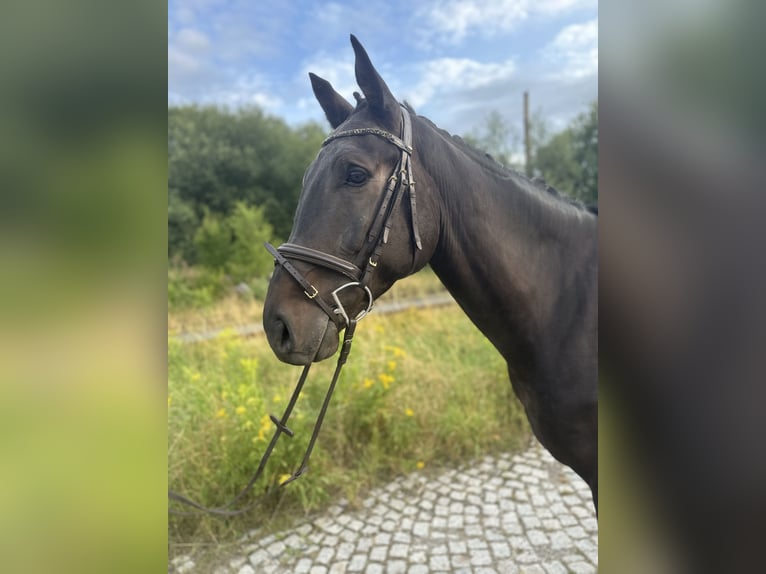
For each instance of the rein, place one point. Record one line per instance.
(377, 236)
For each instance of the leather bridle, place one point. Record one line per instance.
(400, 182)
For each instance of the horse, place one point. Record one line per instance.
(519, 259)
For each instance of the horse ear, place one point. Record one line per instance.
(381, 100)
(335, 107)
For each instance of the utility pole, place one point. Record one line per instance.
(527, 143)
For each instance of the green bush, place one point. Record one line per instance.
(247, 257)
(194, 288)
(213, 242)
(234, 244)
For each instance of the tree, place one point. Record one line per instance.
(585, 133)
(569, 160)
(182, 222)
(213, 242)
(497, 138)
(554, 161)
(219, 158)
(249, 230)
(234, 245)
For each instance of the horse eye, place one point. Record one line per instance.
(356, 176)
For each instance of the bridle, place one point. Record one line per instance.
(400, 182)
(377, 236)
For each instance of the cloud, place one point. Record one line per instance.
(233, 92)
(451, 21)
(338, 71)
(456, 74)
(208, 67)
(331, 15)
(189, 58)
(195, 76)
(453, 63)
(237, 29)
(192, 40)
(574, 50)
(247, 89)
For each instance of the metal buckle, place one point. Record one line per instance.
(312, 295)
(341, 311)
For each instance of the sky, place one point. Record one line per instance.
(455, 61)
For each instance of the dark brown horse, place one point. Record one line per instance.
(520, 260)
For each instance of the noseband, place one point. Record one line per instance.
(377, 237)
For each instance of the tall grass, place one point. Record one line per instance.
(219, 307)
(422, 389)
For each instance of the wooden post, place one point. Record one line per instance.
(527, 143)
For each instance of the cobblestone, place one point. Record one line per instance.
(522, 513)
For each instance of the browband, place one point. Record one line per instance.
(391, 138)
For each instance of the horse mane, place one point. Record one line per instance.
(492, 165)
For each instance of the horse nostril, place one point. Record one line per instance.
(285, 339)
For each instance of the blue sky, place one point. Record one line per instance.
(455, 61)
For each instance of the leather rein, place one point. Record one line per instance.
(400, 182)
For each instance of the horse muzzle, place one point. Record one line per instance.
(299, 334)
(299, 329)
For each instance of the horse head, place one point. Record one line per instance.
(356, 226)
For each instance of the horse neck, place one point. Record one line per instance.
(512, 255)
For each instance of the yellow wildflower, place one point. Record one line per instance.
(276, 398)
(397, 352)
(391, 365)
(195, 376)
(240, 410)
(385, 380)
(284, 477)
(227, 333)
(409, 412)
(420, 464)
(220, 414)
(368, 383)
(265, 426)
(248, 364)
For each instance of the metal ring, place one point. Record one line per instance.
(342, 311)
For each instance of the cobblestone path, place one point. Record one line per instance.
(512, 514)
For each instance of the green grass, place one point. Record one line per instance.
(422, 389)
(209, 304)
